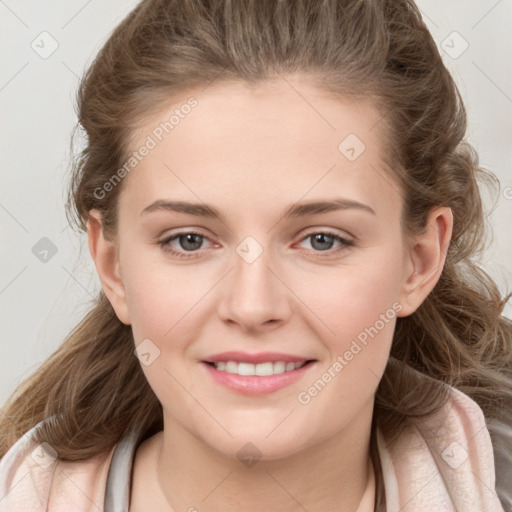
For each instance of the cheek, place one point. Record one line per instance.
(161, 298)
(355, 296)
(360, 308)
(164, 305)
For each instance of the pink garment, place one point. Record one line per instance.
(443, 463)
(60, 487)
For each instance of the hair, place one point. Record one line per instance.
(378, 51)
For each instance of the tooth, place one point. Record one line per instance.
(264, 369)
(231, 367)
(279, 367)
(245, 369)
(260, 369)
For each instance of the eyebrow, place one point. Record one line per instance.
(293, 211)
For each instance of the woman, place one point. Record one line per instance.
(227, 143)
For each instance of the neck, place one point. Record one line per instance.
(335, 474)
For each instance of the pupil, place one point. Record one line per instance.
(321, 238)
(190, 239)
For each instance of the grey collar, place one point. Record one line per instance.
(117, 491)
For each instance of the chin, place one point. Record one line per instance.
(253, 445)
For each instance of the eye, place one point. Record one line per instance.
(322, 241)
(188, 242)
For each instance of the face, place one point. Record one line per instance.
(266, 276)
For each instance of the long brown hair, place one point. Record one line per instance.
(93, 384)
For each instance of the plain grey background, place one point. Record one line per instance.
(45, 48)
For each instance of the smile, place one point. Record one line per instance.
(260, 369)
(259, 376)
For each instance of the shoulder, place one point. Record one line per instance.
(445, 458)
(465, 434)
(33, 478)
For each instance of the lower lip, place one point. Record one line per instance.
(255, 384)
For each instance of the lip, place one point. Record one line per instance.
(260, 357)
(255, 384)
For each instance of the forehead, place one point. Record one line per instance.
(234, 140)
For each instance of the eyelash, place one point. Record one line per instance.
(164, 244)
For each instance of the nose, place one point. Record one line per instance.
(254, 295)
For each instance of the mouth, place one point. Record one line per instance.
(264, 369)
(256, 374)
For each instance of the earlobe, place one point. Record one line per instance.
(427, 257)
(105, 256)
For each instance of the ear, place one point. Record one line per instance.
(425, 259)
(105, 256)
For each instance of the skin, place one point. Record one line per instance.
(252, 151)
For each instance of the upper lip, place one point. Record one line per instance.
(260, 357)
